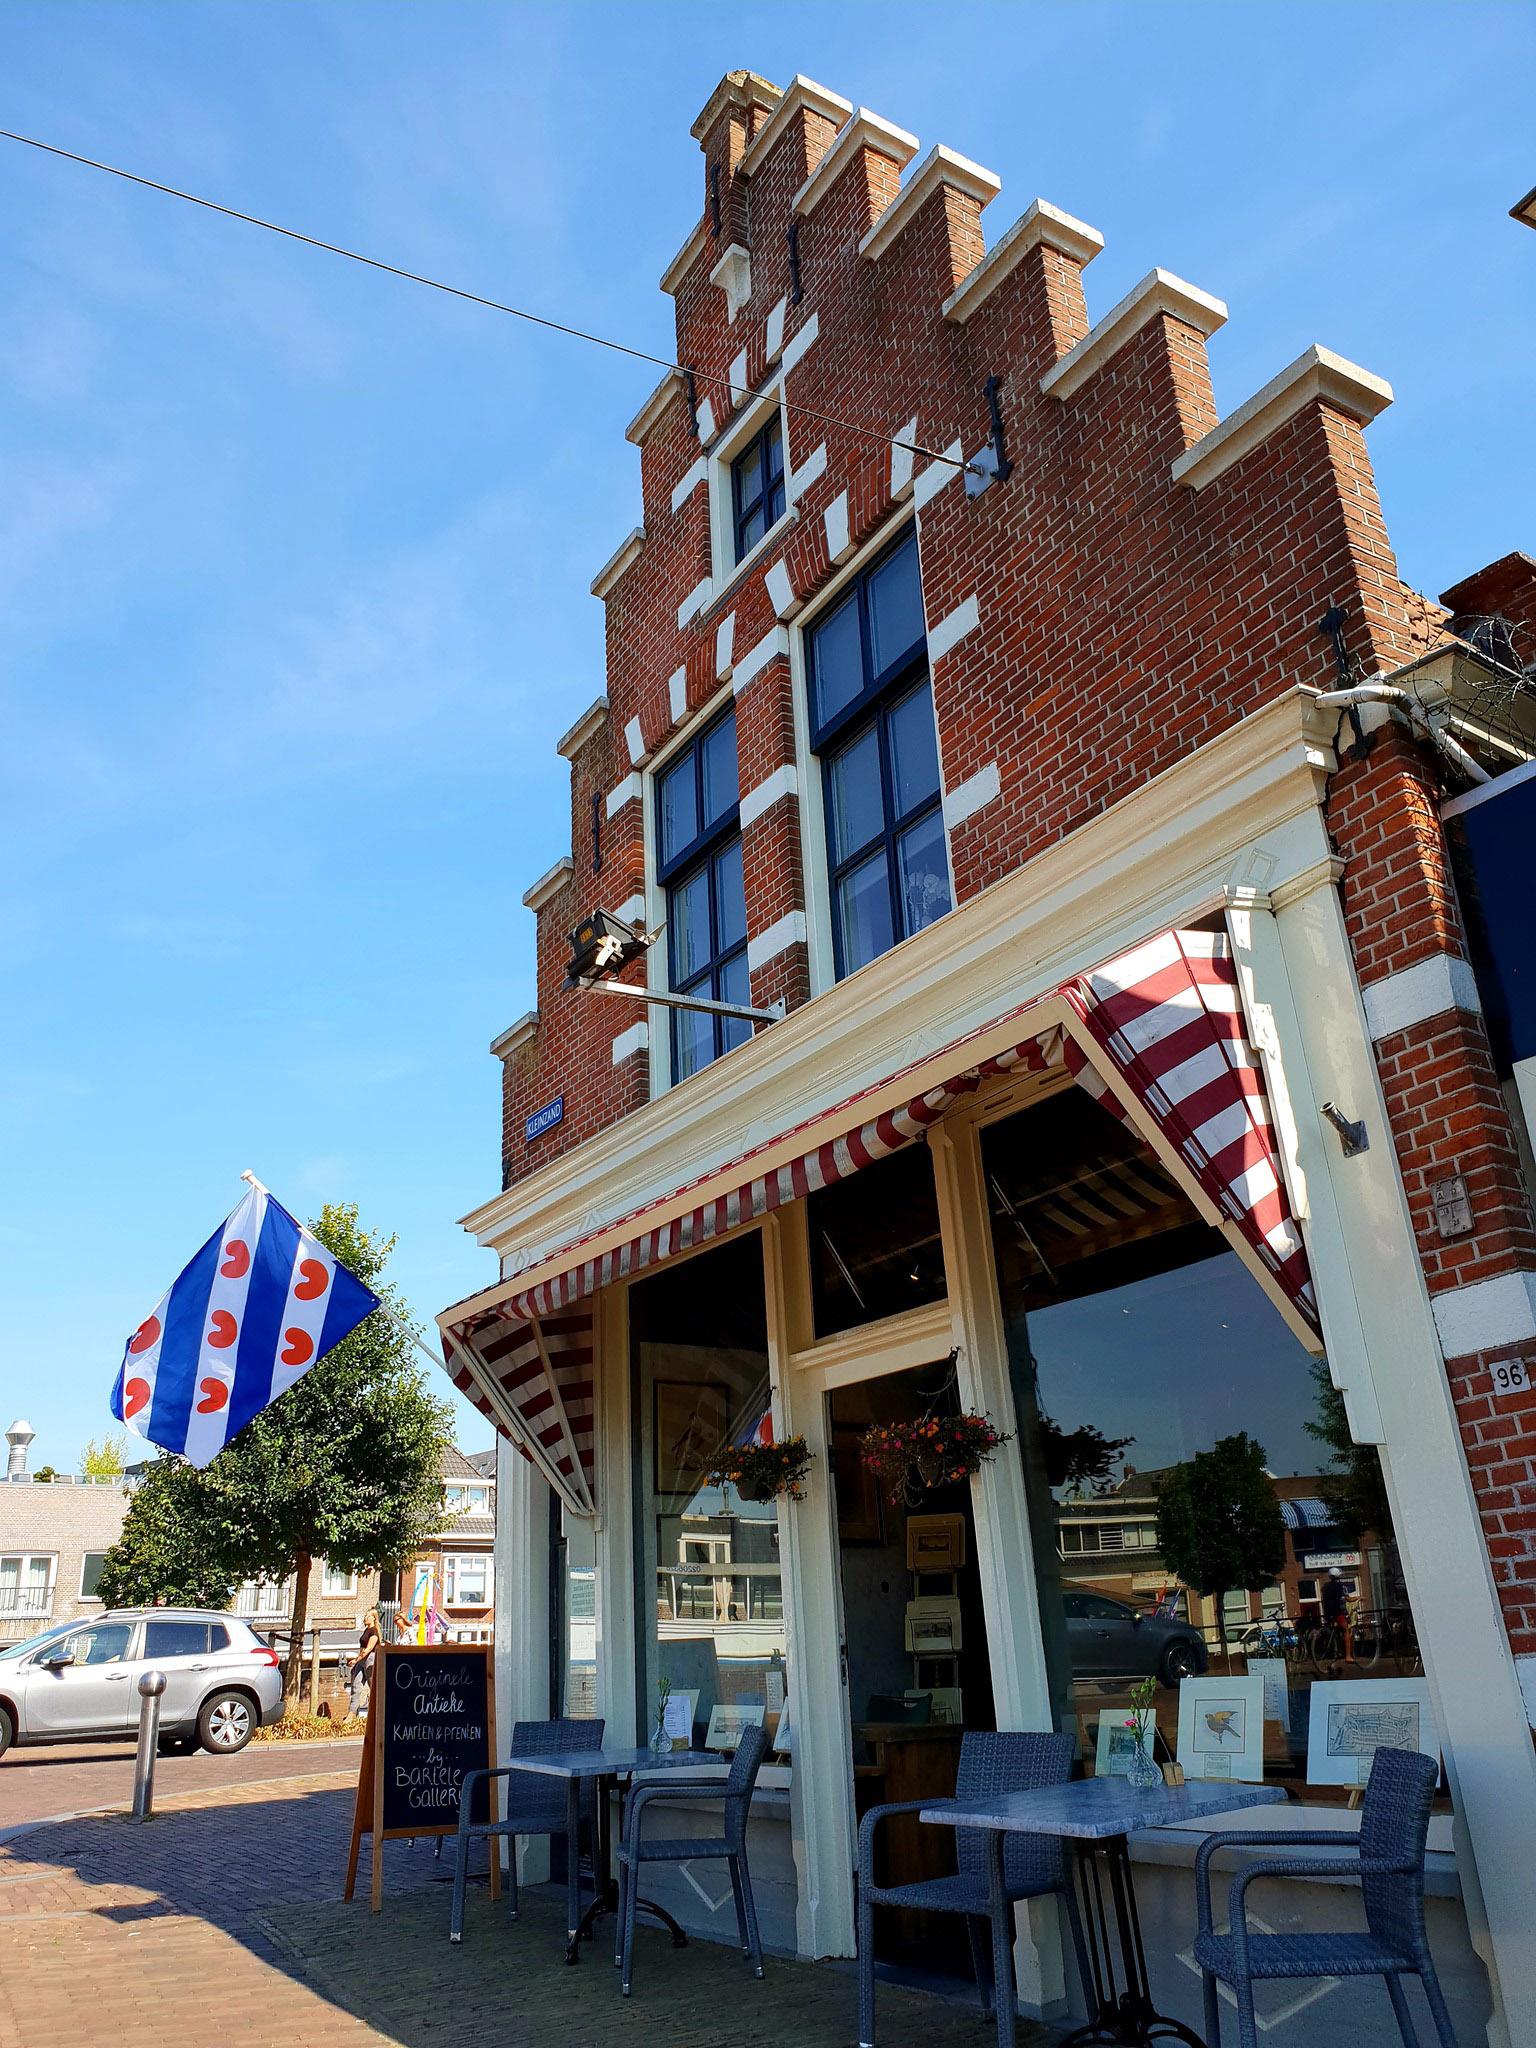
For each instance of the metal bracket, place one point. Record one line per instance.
(691, 386)
(774, 1014)
(1354, 1138)
(792, 237)
(990, 465)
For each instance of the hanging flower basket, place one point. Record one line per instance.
(911, 1457)
(761, 1472)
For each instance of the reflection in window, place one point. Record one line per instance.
(875, 1247)
(707, 1565)
(698, 857)
(1151, 1375)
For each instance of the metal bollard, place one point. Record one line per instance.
(151, 1686)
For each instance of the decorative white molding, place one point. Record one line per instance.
(781, 592)
(671, 386)
(965, 617)
(550, 883)
(1039, 223)
(622, 558)
(677, 693)
(798, 343)
(765, 946)
(706, 421)
(725, 642)
(903, 461)
(835, 520)
(694, 602)
(1159, 292)
(634, 739)
(938, 168)
(636, 1039)
(686, 257)
(622, 793)
(740, 390)
(1430, 988)
(930, 481)
(1318, 373)
(695, 474)
(1486, 1315)
(733, 275)
(757, 658)
(799, 93)
(783, 782)
(968, 797)
(862, 130)
(773, 333)
(801, 479)
(505, 1043)
(591, 721)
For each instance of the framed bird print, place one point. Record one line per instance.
(1221, 1728)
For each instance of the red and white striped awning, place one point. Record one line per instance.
(1158, 1037)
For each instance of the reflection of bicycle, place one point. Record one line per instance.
(1274, 1636)
(1389, 1634)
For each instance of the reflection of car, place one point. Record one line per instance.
(222, 1682)
(1107, 1639)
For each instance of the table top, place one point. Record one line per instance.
(1091, 1809)
(616, 1763)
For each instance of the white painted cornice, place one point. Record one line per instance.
(591, 722)
(737, 89)
(671, 386)
(862, 130)
(801, 94)
(624, 555)
(1319, 373)
(550, 883)
(686, 258)
(507, 1042)
(1167, 852)
(1041, 223)
(1159, 292)
(938, 168)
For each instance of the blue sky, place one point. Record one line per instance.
(294, 558)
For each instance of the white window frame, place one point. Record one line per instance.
(85, 1558)
(330, 1589)
(453, 1560)
(22, 1559)
(755, 414)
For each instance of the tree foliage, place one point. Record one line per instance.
(1353, 1492)
(1219, 1525)
(104, 1457)
(177, 1542)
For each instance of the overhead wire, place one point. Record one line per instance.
(479, 299)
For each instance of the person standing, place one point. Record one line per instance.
(362, 1667)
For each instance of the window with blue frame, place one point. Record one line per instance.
(871, 704)
(698, 860)
(757, 487)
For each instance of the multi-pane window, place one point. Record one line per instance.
(698, 859)
(872, 724)
(467, 1579)
(90, 1573)
(26, 1585)
(757, 487)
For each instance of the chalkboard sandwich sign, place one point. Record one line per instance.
(431, 1720)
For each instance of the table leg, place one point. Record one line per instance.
(573, 1870)
(605, 1888)
(1126, 2018)
(1004, 1998)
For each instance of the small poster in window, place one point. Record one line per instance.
(1350, 1719)
(1277, 1688)
(677, 1718)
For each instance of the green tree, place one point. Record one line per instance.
(346, 1465)
(1353, 1492)
(104, 1458)
(180, 1544)
(45, 1475)
(1219, 1525)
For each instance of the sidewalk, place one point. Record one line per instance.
(221, 1922)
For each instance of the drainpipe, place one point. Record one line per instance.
(1417, 717)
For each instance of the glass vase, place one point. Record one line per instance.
(1142, 1772)
(661, 1741)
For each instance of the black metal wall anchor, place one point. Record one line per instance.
(714, 201)
(792, 237)
(597, 835)
(991, 465)
(1331, 624)
(691, 385)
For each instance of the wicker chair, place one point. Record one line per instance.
(1032, 1864)
(535, 1805)
(1389, 1862)
(736, 1791)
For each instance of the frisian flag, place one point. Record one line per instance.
(260, 1304)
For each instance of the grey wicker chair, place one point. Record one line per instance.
(736, 1791)
(1032, 1864)
(1389, 1862)
(535, 1805)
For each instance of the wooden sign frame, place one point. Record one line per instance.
(368, 1812)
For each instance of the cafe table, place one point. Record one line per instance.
(1097, 1816)
(606, 1767)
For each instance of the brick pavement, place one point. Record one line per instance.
(221, 1923)
(73, 1777)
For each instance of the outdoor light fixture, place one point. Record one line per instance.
(602, 945)
(1353, 1137)
(1525, 209)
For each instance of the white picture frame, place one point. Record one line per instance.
(727, 1721)
(1115, 1743)
(784, 1732)
(1350, 1718)
(677, 1716)
(1221, 1729)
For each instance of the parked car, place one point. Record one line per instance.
(222, 1682)
(1107, 1639)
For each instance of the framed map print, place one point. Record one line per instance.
(1352, 1718)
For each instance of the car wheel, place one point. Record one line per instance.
(1178, 1663)
(7, 1730)
(227, 1723)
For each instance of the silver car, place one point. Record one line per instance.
(222, 1682)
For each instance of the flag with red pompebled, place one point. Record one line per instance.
(250, 1314)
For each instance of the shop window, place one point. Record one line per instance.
(698, 864)
(872, 725)
(710, 1601)
(875, 1246)
(757, 488)
(1150, 1367)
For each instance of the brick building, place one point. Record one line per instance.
(1072, 764)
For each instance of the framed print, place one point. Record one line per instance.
(1352, 1718)
(691, 1420)
(1221, 1728)
(726, 1723)
(677, 1717)
(1116, 1743)
(1275, 1673)
(860, 1508)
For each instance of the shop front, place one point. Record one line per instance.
(1057, 1162)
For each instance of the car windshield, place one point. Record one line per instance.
(49, 1635)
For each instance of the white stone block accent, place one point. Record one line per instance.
(634, 1040)
(1428, 989)
(1486, 1315)
(725, 642)
(733, 275)
(962, 620)
(634, 739)
(757, 658)
(798, 343)
(1318, 373)
(775, 330)
(835, 520)
(968, 797)
(768, 945)
(781, 592)
(930, 481)
(1040, 222)
(738, 377)
(781, 783)
(903, 461)
(694, 602)
(1158, 292)
(550, 883)
(623, 793)
(677, 693)
(695, 474)
(706, 421)
(801, 479)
